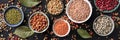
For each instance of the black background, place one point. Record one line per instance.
(95, 13)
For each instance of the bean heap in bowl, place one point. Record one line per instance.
(55, 7)
(103, 25)
(106, 4)
(38, 22)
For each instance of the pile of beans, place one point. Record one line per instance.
(38, 22)
(55, 7)
(106, 4)
(103, 25)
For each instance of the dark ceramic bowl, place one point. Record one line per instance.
(13, 25)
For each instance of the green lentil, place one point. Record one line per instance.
(13, 16)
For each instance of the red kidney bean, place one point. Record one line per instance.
(106, 4)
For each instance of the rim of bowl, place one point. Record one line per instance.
(67, 7)
(68, 28)
(110, 30)
(107, 11)
(44, 28)
(59, 12)
(21, 12)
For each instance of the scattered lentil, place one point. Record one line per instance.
(119, 22)
(2, 22)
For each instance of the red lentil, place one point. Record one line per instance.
(61, 27)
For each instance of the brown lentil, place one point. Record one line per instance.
(119, 22)
(2, 22)
(79, 10)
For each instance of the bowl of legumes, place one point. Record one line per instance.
(103, 25)
(38, 22)
(55, 7)
(13, 16)
(61, 28)
(79, 11)
(107, 6)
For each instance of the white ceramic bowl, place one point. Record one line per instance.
(42, 30)
(66, 33)
(110, 31)
(67, 8)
